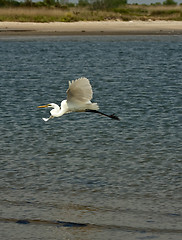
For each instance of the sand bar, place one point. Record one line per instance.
(92, 28)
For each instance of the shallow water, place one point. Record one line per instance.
(122, 179)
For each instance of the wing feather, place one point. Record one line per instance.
(79, 90)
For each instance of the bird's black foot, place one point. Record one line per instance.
(113, 116)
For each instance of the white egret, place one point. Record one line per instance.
(79, 95)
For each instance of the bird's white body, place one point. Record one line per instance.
(79, 95)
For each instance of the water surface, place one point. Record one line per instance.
(122, 179)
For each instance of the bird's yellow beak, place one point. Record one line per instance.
(44, 106)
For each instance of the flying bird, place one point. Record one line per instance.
(79, 95)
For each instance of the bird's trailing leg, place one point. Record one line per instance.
(47, 119)
(113, 116)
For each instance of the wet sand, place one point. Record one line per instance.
(92, 28)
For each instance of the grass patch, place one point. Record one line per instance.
(132, 11)
(167, 13)
(54, 15)
(73, 14)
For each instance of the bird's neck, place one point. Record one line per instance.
(57, 111)
(56, 107)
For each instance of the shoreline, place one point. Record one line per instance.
(91, 28)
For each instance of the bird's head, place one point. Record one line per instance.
(50, 105)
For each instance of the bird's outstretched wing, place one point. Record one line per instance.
(79, 90)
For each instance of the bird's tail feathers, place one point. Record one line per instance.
(93, 106)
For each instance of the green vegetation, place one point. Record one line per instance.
(169, 2)
(86, 10)
(106, 4)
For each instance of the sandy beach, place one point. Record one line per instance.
(92, 28)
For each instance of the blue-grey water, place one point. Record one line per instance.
(122, 179)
